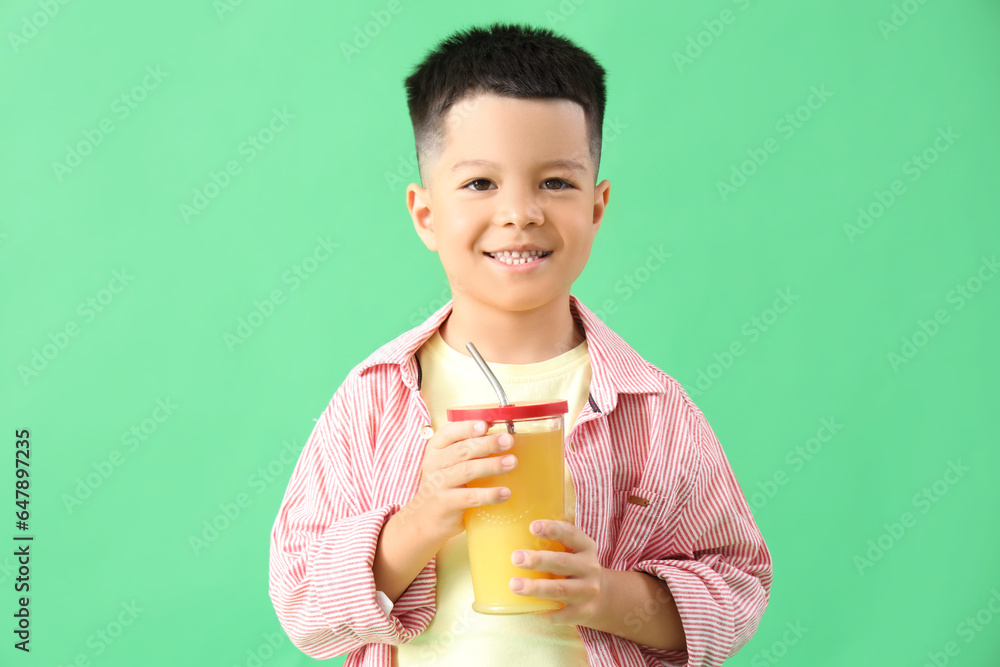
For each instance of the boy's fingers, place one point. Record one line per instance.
(564, 532)
(466, 432)
(453, 432)
(554, 562)
(479, 448)
(563, 590)
(468, 470)
(474, 497)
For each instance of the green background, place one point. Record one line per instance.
(674, 130)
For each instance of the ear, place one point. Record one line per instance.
(418, 203)
(602, 191)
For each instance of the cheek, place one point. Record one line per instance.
(459, 257)
(575, 261)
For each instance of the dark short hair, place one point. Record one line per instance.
(503, 59)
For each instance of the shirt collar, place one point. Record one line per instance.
(615, 367)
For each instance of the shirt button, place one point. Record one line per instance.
(426, 432)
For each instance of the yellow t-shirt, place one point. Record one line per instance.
(458, 636)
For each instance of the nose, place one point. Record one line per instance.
(518, 205)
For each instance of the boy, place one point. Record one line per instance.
(664, 564)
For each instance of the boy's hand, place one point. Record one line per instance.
(581, 590)
(455, 455)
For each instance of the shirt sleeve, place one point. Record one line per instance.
(720, 575)
(323, 545)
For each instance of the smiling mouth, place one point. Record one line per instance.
(515, 258)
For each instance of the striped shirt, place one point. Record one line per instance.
(654, 490)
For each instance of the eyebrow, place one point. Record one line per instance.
(571, 165)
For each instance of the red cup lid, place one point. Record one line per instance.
(493, 413)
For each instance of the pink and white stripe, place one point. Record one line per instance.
(638, 435)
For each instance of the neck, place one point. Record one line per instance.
(512, 337)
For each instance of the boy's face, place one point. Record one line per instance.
(511, 197)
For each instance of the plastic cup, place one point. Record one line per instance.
(494, 532)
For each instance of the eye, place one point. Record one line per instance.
(479, 180)
(566, 185)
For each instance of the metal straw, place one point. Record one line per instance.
(501, 394)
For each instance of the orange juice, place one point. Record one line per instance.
(496, 531)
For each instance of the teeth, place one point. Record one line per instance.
(515, 257)
(515, 254)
